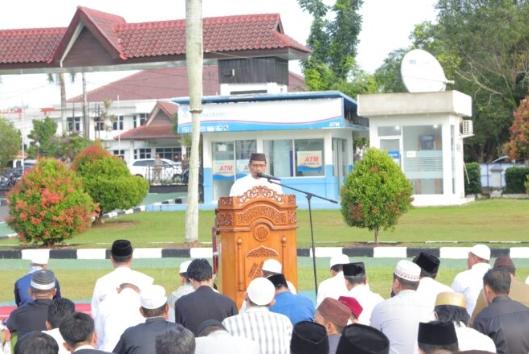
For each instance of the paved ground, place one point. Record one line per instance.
(3, 212)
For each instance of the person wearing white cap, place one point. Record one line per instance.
(272, 331)
(272, 266)
(470, 281)
(334, 287)
(39, 261)
(141, 339)
(398, 317)
(184, 288)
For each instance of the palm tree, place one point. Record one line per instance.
(59, 80)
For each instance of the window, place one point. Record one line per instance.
(295, 158)
(170, 153)
(142, 154)
(119, 153)
(140, 119)
(99, 124)
(74, 124)
(118, 124)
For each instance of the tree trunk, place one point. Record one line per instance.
(376, 236)
(194, 61)
(86, 122)
(63, 102)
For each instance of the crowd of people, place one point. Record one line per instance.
(483, 311)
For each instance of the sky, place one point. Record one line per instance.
(386, 26)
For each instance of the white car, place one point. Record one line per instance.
(169, 170)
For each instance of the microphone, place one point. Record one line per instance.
(264, 175)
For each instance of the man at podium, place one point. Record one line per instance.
(256, 166)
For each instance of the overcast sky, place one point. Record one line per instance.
(386, 26)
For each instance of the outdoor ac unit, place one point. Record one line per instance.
(467, 128)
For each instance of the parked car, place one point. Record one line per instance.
(168, 170)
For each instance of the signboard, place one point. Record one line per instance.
(223, 169)
(309, 162)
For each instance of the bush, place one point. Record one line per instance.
(515, 178)
(376, 193)
(49, 204)
(108, 180)
(472, 178)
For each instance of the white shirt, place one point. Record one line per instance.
(221, 342)
(367, 299)
(470, 283)
(175, 295)
(248, 182)
(398, 318)
(117, 312)
(56, 334)
(109, 282)
(527, 281)
(429, 288)
(470, 339)
(333, 287)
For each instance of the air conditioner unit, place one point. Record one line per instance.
(467, 128)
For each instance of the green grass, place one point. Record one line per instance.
(487, 220)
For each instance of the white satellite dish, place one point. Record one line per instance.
(421, 72)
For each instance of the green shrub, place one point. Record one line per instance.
(108, 180)
(49, 204)
(515, 178)
(376, 193)
(472, 178)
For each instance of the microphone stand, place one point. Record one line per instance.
(309, 196)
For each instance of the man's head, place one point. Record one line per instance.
(257, 164)
(505, 263)
(354, 273)
(40, 259)
(58, 310)
(260, 292)
(77, 330)
(333, 315)
(209, 326)
(121, 252)
(406, 276)
(358, 338)
(478, 254)
(270, 267)
(336, 263)
(177, 340)
(153, 302)
(199, 272)
(429, 264)
(451, 307)
(279, 281)
(42, 285)
(309, 338)
(183, 271)
(496, 282)
(36, 343)
(436, 335)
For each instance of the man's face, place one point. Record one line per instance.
(257, 167)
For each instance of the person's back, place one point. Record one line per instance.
(213, 337)
(22, 286)
(296, 307)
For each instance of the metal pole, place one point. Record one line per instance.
(309, 197)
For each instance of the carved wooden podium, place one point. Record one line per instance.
(249, 229)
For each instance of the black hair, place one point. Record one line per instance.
(177, 340)
(337, 268)
(36, 343)
(209, 326)
(200, 270)
(121, 259)
(439, 349)
(153, 312)
(77, 328)
(505, 263)
(450, 313)
(425, 273)
(58, 310)
(406, 284)
(499, 280)
(357, 279)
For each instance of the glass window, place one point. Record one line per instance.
(305, 157)
(243, 150)
(280, 159)
(423, 158)
(139, 119)
(118, 124)
(99, 124)
(74, 124)
(309, 157)
(389, 131)
(170, 153)
(142, 154)
(119, 153)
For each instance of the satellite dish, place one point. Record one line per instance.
(421, 72)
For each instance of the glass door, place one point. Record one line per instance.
(393, 147)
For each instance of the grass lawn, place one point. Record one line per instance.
(486, 220)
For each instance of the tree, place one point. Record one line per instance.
(59, 80)
(10, 142)
(108, 180)
(387, 76)
(376, 193)
(518, 146)
(49, 204)
(43, 135)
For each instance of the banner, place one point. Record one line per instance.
(309, 162)
(223, 169)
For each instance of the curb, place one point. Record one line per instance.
(321, 252)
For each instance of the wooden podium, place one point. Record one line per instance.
(249, 229)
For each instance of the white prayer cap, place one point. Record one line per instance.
(40, 258)
(408, 270)
(153, 297)
(183, 266)
(338, 259)
(482, 251)
(273, 266)
(261, 291)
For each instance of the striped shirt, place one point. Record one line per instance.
(272, 331)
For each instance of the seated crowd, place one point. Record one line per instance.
(484, 311)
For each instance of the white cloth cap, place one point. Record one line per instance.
(338, 259)
(40, 258)
(153, 297)
(408, 270)
(482, 251)
(183, 266)
(273, 266)
(261, 291)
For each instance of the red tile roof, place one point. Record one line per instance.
(146, 39)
